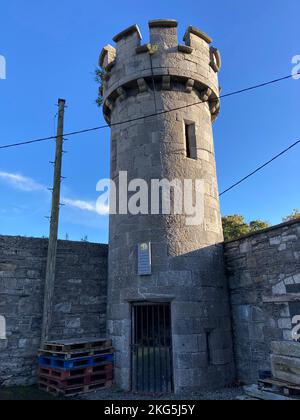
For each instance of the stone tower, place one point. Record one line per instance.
(182, 296)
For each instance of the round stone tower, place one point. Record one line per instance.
(168, 304)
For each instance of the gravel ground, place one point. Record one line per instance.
(114, 394)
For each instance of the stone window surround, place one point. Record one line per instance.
(2, 328)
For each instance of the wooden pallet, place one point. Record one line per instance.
(84, 380)
(76, 363)
(66, 346)
(73, 392)
(284, 388)
(253, 391)
(76, 353)
(74, 373)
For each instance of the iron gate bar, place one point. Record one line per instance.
(159, 349)
(143, 353)
(148, 344)
(165, 344)
(154, 348)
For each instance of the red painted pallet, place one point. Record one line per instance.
(78, 381)
(72, 392)
(67, 374)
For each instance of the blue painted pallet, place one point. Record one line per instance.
(81, 362)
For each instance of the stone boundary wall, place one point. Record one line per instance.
(262, 266)
(80, 299)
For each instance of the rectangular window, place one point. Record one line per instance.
(144, 259)
(190, 140)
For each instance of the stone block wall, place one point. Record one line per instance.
(260, 267)
(80, 299)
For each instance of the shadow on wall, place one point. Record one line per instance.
(263, 271)
(79, 304)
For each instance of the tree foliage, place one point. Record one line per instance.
(295, 215)
(235, 226)
(100, 76)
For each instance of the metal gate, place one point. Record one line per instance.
(151, 348)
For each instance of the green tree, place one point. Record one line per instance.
(257, 225)
(100, 77)
(295, 215)
(235, 226)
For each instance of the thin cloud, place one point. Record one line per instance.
(86, 206)
(21, 183)
(26, 184)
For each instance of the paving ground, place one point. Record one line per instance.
(114, 394)
(33, 394)
(24, 394)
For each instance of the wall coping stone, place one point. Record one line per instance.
(163, 23)
(195, 31)
(60, 241)
(269, 229)
(127, 32)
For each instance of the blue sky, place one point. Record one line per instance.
(52, 48)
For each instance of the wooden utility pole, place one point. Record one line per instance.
(54, 221)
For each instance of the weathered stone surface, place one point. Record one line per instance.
(258, 266)
(187, 261)
(284, 348)
(286, 369)
(79, 307)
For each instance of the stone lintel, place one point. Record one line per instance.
(127, 32)
(195, 31)
(163, 23)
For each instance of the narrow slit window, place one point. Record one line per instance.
(208, 347)
(190, 140)
(114, 152)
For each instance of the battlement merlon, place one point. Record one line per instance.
(107, 56)
(195, 63)
(194, 37)
(163, 33)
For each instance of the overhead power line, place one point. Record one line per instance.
(261, 167)
(88, 130)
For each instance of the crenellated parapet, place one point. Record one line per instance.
(131, 65)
